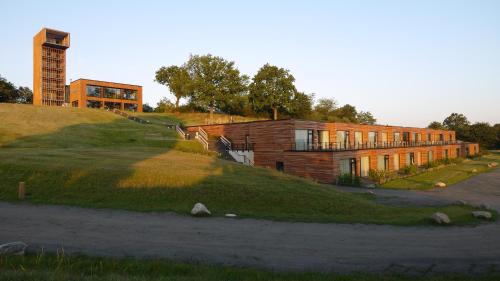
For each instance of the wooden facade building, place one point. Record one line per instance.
(323, 151)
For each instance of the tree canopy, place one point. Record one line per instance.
(216, 84)
(176, 79)
(273, 89)
(9, 93)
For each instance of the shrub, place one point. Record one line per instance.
(378, 176)
(408, 170)
(349, 180)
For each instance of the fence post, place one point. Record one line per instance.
(21, 194)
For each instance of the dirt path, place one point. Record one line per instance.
(249, 242)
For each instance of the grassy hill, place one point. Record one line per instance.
(189, 119)
(94, 158)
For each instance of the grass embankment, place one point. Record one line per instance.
(93, 158)
(53, 268)
(190, 119)
(449, 174)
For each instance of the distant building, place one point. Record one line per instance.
(106, 95)
(49, 67)
(49, 79)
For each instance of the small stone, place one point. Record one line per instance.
(230, 215)
(440, 218)
(474, 170)
(13, 248)
(199, 210)
(371, 185)
(493, 164)
(440, 184)
(482, 215)
(370, 192)
(461, 202)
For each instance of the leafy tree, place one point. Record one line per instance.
(8, 92)
(347, 113)
(301, 105)
(366, 117)
(24, 95)
(435, 125)
(147, 108)
(325, 108)
(273, 89)
(459, 124)
(164, 105)
(484, 134)
(215, 82)
(176, 79)
(497, 128)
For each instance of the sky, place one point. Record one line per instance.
(407, 62)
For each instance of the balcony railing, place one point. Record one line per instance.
(339, 146)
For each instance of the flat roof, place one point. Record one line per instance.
(100, 81)
(324, 122)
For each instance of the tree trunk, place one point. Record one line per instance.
(275, 113)
(211, 114)
(177, 102)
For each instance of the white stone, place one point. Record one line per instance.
(440, 184)
(13, 248)
(230, 215)
(494, 164)
(199, 210)
(460, 202)
(440, 218)
(474, 170)
(482, 214)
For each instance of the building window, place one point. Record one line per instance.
(365, 166)
(129, 94)
(429, 137)
(342, 139)
(383, 162)
(410, 158)
(348, 166)
(93, 104)
(395, 161)
(446, 153)
(383, 138)
(397, 137)
(441, 137)
(406, 136)
(358, 139)
(430, 157)
(372, 138)
(324, 139)
(280, 166)
(112, 93)
(130, 106)
(303, 139)
(94, 91)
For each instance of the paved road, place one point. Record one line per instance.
(274, 245)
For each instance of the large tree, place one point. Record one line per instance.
(24, 95)
(325, 109)
(301, 105)
(8, 92)
(366, 117)
(215, 82)
(484, 134)
(459, 124)
(347, 113)
(176, 79)
(273, 89)
(435, 125)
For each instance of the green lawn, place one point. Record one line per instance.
(54, 268)
(450, 174)
(94, 158)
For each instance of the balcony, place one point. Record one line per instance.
(338, 146)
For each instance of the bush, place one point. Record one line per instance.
(349, 180)
(378, 176)
(408, 170)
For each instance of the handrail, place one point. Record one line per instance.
(180, 131)
(203, 137)
(339, 146)
(225, 142)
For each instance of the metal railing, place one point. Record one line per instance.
(202, 137)
(225, 142)
(180, 131)
(339, 146)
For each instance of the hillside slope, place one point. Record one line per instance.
(94, 158)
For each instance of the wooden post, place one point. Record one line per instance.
(22, 191)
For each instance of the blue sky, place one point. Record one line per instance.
(408, 62)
